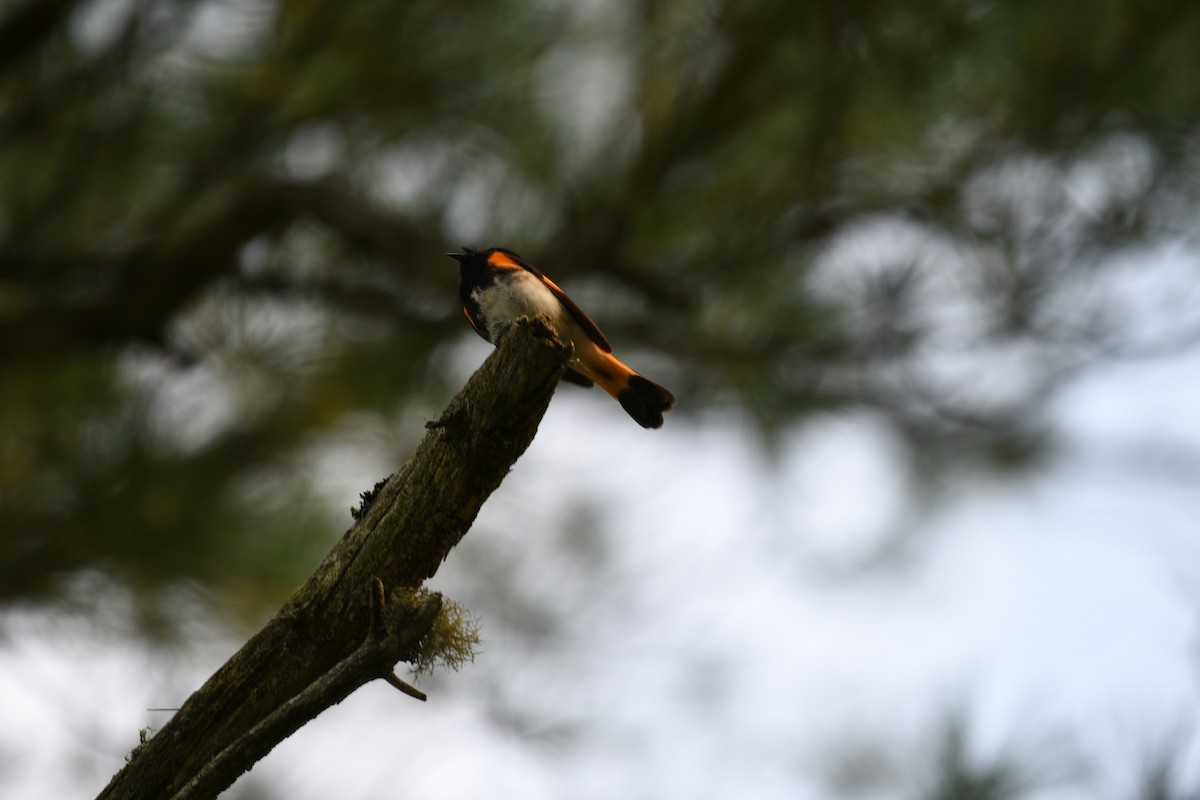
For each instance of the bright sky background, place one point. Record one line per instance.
(730, 647)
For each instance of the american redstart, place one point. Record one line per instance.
(497, 286)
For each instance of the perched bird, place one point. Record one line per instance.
(497, 287)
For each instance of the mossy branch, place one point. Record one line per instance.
(312, 654)
(393, 636)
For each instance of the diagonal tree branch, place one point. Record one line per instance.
(392, 637)
(401, 537)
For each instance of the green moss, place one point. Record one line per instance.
(451, 642)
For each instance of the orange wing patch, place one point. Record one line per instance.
(499, 260)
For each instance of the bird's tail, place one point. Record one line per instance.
(642, 399)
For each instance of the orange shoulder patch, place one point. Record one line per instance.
(499, 260)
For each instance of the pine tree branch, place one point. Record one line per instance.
(401, 537)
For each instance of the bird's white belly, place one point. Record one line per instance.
(522, 295)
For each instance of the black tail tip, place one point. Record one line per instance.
(646, 401)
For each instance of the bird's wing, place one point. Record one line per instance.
(506, 259)
(471, 319)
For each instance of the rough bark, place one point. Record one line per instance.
(400, 538)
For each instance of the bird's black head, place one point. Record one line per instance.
(475, 271)
(500, 257)
(478, 265)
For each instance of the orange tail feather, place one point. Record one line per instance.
(642, 399)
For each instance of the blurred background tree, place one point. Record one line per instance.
(222, 227)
